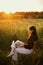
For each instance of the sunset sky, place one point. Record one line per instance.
(21, 5)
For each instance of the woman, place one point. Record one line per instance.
(26, 49)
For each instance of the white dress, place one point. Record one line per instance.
(17, 44)
(20, 49)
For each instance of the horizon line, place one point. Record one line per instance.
(19, 11)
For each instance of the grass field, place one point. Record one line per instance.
(19, 28)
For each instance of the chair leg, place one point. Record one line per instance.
(33, 59)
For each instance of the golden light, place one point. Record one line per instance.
(20, 5)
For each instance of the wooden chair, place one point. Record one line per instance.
(28, 55)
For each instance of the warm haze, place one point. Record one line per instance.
(21, 5)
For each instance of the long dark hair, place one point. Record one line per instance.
(34, 33)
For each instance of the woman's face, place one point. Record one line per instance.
(30, 31)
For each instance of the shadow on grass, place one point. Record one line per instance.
(4, 60)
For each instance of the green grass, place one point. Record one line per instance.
(10, 29)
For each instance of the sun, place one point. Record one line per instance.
(7, 12)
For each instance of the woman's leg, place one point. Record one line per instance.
(19, 43)
(23, 50)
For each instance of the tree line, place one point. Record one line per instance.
(17, 15)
